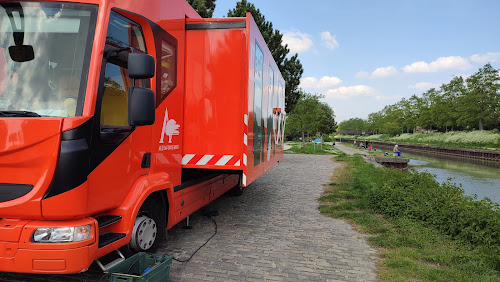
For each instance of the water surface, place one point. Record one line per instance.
(475, 176)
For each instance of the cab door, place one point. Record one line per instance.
(120, 153)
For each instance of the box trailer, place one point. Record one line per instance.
(119, 119)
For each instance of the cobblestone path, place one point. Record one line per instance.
(273, 232)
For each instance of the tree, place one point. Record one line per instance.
(290, 68)
(374, 122)
(326, 119)
(292, 72)
(353, 124)
(205, 8)
(481, 102)
(452, 92)
(474, 103)
(310, 116)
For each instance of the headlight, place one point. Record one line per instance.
(62, 234)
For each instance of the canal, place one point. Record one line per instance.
(475, 176)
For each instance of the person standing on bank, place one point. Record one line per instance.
(395, 150)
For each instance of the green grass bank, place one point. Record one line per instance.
(422, 229)
(310, 148)
(489, 140)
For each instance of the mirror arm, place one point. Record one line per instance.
(111, 53)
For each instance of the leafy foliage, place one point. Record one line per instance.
(204, 8)
(461, 104)
(482, 100)
(290, 68)
(353, 124)
(310, 117)
(429, 231)
(419, 196)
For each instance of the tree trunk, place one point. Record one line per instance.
(303, 140)
(480, 124)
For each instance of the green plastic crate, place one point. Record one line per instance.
(134, 268)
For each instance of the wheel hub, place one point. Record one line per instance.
(144, 233)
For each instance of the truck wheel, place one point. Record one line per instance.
(149, 229)
(237, 190)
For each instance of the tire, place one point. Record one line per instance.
(237, 190)
(149, 228)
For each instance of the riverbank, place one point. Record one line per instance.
(423, 230)
(483, 140)
(489, 155)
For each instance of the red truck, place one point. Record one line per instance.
(118, 119)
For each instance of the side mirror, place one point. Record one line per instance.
(21, 53)
(141, 106)
(141, 66)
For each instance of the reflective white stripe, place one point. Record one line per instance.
(204, 160)
(245, 119)
(245, 139)
(237, 163)
(244, 178)
(178, 158)
(187, 158)
(245, 159)
(224, 160)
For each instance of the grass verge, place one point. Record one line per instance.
(420, 234)
(310, 148)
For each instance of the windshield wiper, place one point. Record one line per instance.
(18, 114)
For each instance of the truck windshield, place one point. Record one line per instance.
(53, 83)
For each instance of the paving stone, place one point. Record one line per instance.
(273, 232)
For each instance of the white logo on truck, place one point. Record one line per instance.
(170, 128)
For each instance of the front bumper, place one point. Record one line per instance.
(48, 261)
(28, 257)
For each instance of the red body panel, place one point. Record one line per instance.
(28, 155)
(220, 98)
(212, 111)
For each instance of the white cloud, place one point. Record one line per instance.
(363, 74)
(297, 41)
(388, 98)
(423, 86)
(442, 63)
(329, 40)
(346, 92)
(384, 72)
(486, 58)
(325, 81)
(378, 72)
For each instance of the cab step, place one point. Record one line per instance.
(108, 238)
(119, 257)
(106, 220)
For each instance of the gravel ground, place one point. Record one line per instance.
(348, 150)
(273, 232)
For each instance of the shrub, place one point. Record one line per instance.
(418, 196)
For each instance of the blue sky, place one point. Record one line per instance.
(364, 55)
